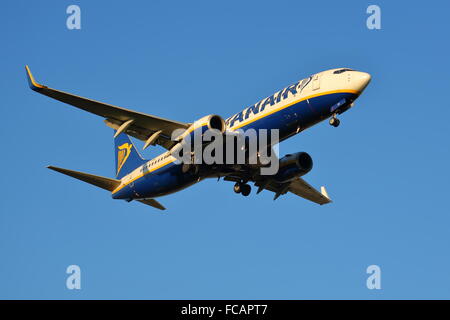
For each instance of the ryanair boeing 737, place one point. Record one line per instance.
(289, 111)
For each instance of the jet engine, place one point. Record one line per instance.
(200, 126)
(293, 165)
(188, 139)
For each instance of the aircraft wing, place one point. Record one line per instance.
(298, 187)
(301, 188)
(142, 126)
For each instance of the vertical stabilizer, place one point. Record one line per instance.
(127, 156)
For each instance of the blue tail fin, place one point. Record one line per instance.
(127, 157)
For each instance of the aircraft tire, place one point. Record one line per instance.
(245, 190)
(334, 122)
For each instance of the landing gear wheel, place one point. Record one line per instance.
(334, 121)
(246, 189)
(242, 188)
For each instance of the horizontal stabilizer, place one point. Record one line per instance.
(98, 181)
(153, 203)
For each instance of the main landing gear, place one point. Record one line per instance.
(334, 121)
(242, 188)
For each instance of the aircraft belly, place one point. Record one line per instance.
(163, 182)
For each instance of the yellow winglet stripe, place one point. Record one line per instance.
(33, 84)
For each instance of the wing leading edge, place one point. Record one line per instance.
(139, 125)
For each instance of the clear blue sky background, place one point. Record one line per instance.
(386, 166)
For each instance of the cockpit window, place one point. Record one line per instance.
(342, 71)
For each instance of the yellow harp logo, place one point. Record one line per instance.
(122, 155)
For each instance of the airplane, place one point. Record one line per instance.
(293, 109)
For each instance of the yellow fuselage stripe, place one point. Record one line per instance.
(290, 104)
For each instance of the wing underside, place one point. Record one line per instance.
(139, 125)
(302, 189)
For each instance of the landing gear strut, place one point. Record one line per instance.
(334, 121)
(242, 188)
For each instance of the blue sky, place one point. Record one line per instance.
(386, 166)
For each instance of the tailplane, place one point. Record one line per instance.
(104, 183)
(127, 156)
(98, 181)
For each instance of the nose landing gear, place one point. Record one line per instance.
(334, 121)
(242, 188)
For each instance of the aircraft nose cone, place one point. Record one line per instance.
(361, 80)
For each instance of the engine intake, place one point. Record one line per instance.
(203, 124)
(187, 138)
(216, 122)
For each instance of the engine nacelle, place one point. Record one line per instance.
(188, 139)
(200, 126)
(293, 165)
